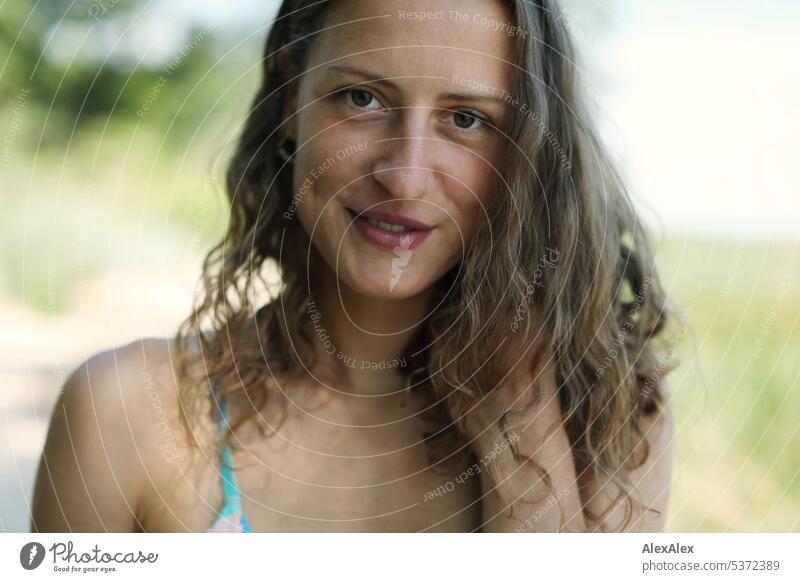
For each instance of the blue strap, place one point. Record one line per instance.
(229, 488)
(232, 503)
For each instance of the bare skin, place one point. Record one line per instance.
(348, 456)
(119, 466)
(116, 468)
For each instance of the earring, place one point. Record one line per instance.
(286, 150)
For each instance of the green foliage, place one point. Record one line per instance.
(78, 66)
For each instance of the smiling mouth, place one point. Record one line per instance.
(389, 222)
(386, 226)
(389, 232)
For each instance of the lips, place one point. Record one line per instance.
(389, 231)
(396, 219)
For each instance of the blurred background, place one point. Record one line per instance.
(117, 118)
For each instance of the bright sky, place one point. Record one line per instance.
(707, 107)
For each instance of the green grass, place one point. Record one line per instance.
(736, 396)
(117, 203)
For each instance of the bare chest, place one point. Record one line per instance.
(317, 475)
(364, 486)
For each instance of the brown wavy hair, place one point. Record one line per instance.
(562, 263)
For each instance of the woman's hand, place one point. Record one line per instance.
(519, 500)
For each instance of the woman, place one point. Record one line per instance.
(463, 336)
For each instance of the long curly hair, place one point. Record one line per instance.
(561, 263)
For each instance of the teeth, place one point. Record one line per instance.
(386, 226)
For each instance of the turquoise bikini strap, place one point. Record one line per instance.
(232, 500)
(230, 490)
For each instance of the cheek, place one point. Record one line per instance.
(474, 215)
(330, 161)
(324, 172)
(468, 193)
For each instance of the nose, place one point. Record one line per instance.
(405, 167)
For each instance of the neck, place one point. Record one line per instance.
(363, 340)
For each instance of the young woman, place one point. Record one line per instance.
(463, 334)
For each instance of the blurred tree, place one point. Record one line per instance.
(91, 60)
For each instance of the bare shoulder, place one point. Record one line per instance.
(651, 480)
(111, 432)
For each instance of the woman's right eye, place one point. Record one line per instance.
(359, 98)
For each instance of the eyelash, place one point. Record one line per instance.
(485, 123)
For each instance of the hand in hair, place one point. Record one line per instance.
(528, 475)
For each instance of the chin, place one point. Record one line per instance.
(383, 284)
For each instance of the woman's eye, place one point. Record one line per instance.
(360, 98)
(467, 120)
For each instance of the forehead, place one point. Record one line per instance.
(470, 38)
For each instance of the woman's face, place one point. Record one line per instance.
(396, 145)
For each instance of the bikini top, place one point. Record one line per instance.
(231, 517)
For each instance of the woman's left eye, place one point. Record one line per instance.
(467, 120)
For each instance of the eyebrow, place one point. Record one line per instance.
(377, 79)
